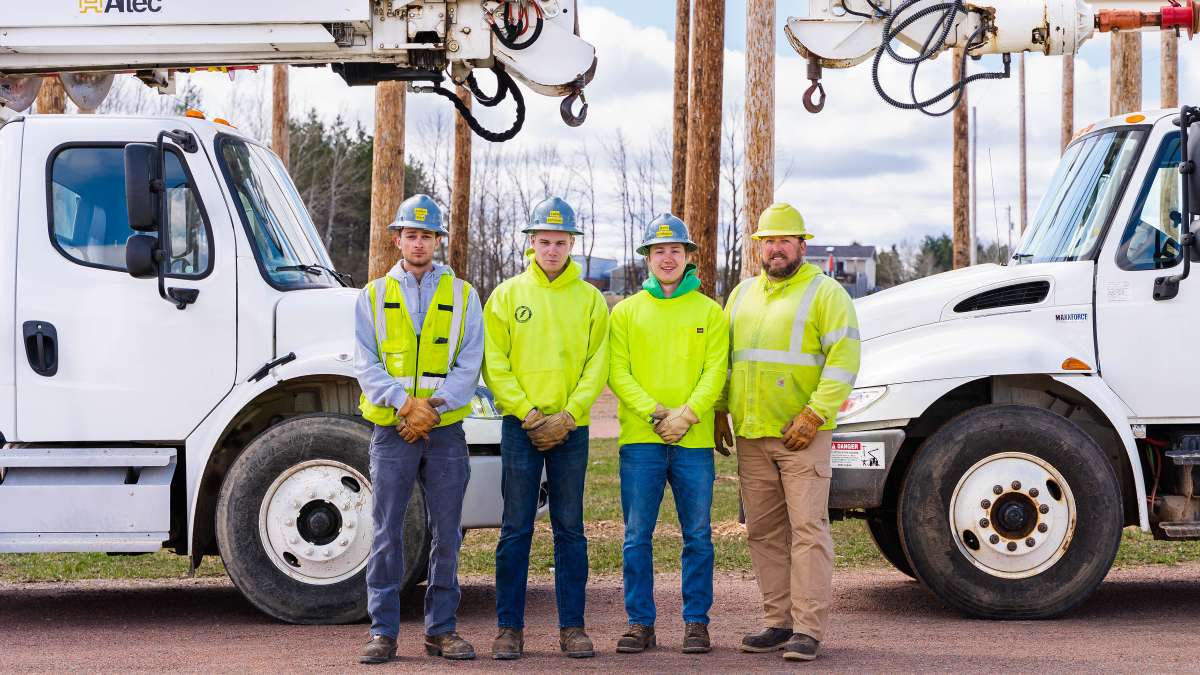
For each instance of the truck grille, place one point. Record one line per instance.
(1018, 294)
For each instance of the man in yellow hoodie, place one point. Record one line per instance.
(546, 361)
(668, 354)
(794, 347)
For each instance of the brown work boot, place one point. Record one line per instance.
(695, 638)
(575, 642)
(449, 646)
(637, 639)
(509, 644)
(380, 649)
(801, 648)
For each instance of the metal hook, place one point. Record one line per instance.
(814, 76)
(568, 115)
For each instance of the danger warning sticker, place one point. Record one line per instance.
(857, 455)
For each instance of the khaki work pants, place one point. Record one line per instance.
(785, 494)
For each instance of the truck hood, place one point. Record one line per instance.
(933, 299)
(316, 322)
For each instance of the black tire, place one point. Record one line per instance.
(250, 564)
(946, 457)
(885, 532)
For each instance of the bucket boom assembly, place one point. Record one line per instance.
(86, 42)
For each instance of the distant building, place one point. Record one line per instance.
(599, 271)
(853, 266)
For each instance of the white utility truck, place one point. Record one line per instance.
(1009, 420)
(178, 349)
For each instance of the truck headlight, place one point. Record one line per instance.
(483, 406)
(860, 400)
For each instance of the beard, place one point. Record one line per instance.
(780, 273)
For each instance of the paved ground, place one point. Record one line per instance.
(1144, 619)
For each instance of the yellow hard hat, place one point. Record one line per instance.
(781, 220)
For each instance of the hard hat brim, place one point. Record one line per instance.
(761, 234)
(549, 228)
(688, 244)
(414, 225)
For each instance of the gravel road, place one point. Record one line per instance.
(1143, 619)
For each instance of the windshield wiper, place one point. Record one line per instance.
(317, 270)
(1021, 256)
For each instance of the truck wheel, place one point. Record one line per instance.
(886, 534)
(294, 523)
(1011, 512)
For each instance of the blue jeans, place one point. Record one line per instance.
(521, 479)
(442, 465)
(646, 468)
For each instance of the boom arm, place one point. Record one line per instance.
(845, 33)
(367, 41)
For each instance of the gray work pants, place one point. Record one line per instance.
(441, 464)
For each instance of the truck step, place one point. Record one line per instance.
(1181, 530)
(1184, 457)
(85, 457)
(81, 542)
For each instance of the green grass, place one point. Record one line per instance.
(602, 506)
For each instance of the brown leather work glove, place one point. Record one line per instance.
(418, 418)
(553, 431)
(799, 433)
(722, 433)
(533, 420)
(659, 414)
(676, 424)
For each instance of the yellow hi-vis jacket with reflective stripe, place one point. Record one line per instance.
(420, 363)
(793, 343)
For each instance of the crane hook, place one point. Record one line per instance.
(568, 103)
(814, 76)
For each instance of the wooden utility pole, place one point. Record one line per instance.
(974, 244)
(1068, 100)
(961, 174)
(702, 195)
(760, 124)
(679, 141)
(1125, 73)
(280, 133)
(1024, 161)
(387, 175)
(460, 191)
(52, 98)
(1170, 69)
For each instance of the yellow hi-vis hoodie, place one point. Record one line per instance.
(793, 343)
(672, 351)
(546, 343)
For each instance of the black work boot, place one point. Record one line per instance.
(766, 640)
(509, 644)
(695, 638)
(801, 647)
(575, 642)
(449, 646)
(637, 639)
(380, 649)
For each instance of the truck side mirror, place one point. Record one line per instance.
(1191, 181)
(141, 256)
(141, 200)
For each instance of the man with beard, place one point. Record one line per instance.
(419, 348)
(668, 355)
(795, 353)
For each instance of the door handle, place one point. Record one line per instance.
(41, 347)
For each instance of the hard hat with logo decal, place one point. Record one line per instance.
(552, 215)
(666, 229)
(419, 212)
(781, 220)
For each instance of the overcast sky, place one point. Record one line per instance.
(860, 170)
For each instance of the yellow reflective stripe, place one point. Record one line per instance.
(832, 338)
(431, 382)
(775, 356)
(456, 318)
(740, 292)
(838, 375)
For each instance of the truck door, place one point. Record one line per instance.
(104, 358)
(1140, 339)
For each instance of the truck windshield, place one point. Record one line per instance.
(1086, 188)
(289, 251)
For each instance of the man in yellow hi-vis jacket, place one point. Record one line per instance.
(794, 354)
